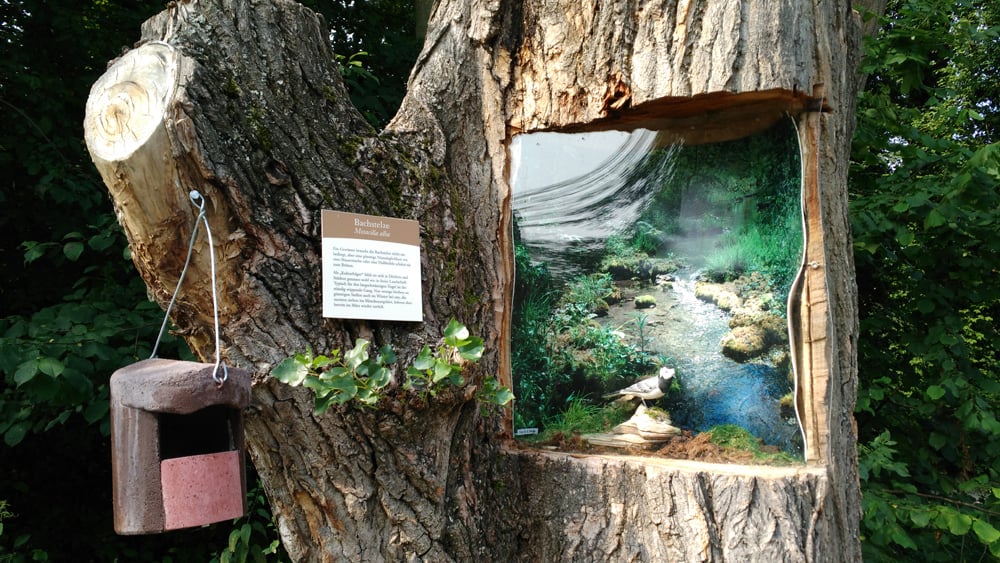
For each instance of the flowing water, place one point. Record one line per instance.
(715, 389)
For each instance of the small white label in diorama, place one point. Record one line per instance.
(371, 267)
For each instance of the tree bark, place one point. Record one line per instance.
(243, 102)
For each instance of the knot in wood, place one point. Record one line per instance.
(618, 95)
(277, 173)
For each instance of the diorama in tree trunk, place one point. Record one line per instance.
(637, 254)
(243, 102)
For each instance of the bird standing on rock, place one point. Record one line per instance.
(651, 388)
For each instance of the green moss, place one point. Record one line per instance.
(328, 94)
(255, 119)
(636, 265)
(347, 148)
(232, 89)
(658, 414)
(733, 437)
(645, 302)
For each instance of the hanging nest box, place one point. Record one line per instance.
(177, 448)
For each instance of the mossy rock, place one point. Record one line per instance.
(645, 302)
(614, 297)
(637, 266)
(744, 342)
(774, 326)
(601, 308)
(786, 406)
(781, 358)
(721, 295)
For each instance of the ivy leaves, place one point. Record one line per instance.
(337, 379)
(432, 368)
(358, 376)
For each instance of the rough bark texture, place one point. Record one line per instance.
(255, 117)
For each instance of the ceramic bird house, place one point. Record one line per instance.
(177, 449)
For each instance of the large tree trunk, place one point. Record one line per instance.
(243, 102)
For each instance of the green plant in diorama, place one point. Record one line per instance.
(737, 438)
(357, 376)
(584, 417)
(725, 264)
(532, 367)
(635, 254)
(647, 238)
(641, 323)
(584, 292)
(600, 355)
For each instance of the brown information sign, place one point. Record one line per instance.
(371, 267)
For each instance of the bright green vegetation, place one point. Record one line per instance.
(360, 376)
(925, 211)
(558, 352)
(732, 437)
(741, 195)
(739, 201)
(583, 417)
(635, 254)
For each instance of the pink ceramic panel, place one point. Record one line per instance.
(201, 489)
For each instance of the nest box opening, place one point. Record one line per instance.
(209, 430)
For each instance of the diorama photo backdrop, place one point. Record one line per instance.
(635, 252)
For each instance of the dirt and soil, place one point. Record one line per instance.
(687, 446)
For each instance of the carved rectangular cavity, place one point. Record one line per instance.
(656, 272)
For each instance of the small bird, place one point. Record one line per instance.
(651, 388)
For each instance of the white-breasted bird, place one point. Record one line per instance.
(651, 388)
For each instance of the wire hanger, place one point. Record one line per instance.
(199, 201)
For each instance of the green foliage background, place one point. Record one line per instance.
(925, 209)
(924, 192)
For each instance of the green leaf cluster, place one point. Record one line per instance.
(337, 379)
(356, 376)
(432, 370)
(925, 186)
(381, 35)
(254, 536)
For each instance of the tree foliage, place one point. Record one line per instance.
(926, 206)
(381, 35)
